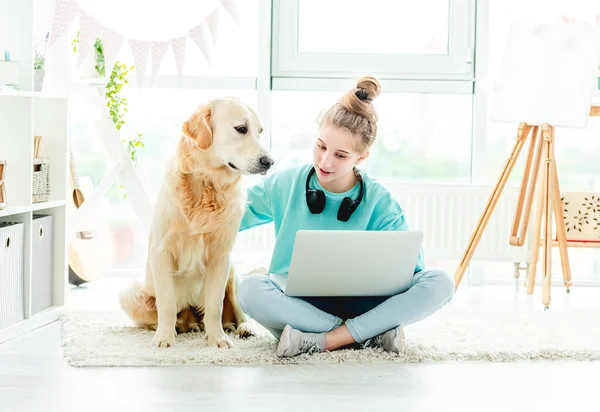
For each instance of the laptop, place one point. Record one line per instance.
(351, 263)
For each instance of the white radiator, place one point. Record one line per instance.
(447, 214)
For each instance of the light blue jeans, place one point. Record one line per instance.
(264, 301)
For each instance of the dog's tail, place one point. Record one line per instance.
(139, 305)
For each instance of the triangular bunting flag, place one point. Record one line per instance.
(232, 8)
(65, 12)
(89, 30)
(178, 46)
(201, 37)
(140, 50)
(212, 20)
(112, 42)
(158, 54)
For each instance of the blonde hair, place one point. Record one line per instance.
(355, 113)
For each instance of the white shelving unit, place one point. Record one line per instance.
(23, 115)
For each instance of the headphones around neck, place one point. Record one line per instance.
(315, 199)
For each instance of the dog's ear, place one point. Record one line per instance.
(198, 127)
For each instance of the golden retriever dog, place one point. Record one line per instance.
(189, 283)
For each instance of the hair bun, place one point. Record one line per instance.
(358, 100)
(355, 112)
(367, 88)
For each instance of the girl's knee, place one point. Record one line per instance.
(442, 283)
(251, 289)
(446, 284)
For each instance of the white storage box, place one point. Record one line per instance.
(11, 273)
(41, 263)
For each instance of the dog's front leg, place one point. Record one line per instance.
(213, 293)
(243, 329)
(166, 304)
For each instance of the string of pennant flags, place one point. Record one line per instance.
(203, 34)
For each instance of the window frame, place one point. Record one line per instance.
(456, 65)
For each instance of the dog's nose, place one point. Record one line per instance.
(266, 162)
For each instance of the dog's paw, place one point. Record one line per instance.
(245, 330)
(163, 340)
(221, 341)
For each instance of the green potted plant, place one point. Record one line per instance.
(117, 104)
(39, 63)
(92, 66)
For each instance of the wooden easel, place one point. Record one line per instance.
(540, 159)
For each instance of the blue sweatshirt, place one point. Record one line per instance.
(280, 198)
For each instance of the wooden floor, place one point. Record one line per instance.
(34, 376)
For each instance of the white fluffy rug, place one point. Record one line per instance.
(109, 339)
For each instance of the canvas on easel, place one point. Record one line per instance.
(548, 75)
(547, 80)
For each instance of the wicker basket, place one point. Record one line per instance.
(41, 180)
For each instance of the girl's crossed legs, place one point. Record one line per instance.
(326, 323)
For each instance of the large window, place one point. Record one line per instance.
(421, 51)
